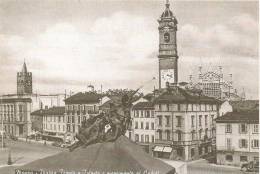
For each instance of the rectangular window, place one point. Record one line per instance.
(206, 120)
(142, 125)
(228, 143)
(255, 143)
(159, 120)
(148, 114)
(243, 143)
(152, 126)
(192, 121)
(136, 125)
(229, 158)
(142, 113)
(228, 128)
(167, 120)
(142, 138)
(160, 134)
(147, 138)
(168, 135)
(137, 113)
(180, 152)
(243, 128)
(178, 121)
(79, 119)
(147, 126)
(192, 152)
(243, 158)
(255, 129)
(152, 114)
(152, 138)
(200, 118)
(193, 135)
(212, 119)
(179, 136)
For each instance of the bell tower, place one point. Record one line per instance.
(168, 55)
(24, 81)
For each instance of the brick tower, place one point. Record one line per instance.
(168, 55)
(24, 81)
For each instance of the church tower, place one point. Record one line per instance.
(168, 55)
(24, 81)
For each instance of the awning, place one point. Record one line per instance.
(158, 149)
(167, 149)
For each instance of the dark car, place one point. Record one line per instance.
(250, 167)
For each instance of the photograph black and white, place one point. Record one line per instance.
(129, 87)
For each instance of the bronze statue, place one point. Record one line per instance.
(106, 127)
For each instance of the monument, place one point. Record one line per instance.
(102, 148)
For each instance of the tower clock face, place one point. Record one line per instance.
(167, 75)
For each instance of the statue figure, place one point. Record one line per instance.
(106, 127)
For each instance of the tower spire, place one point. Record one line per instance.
(167, 4)
(24, 70)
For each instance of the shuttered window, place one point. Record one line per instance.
(243, 128)
(243, 143)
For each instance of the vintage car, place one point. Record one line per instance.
(250, 167)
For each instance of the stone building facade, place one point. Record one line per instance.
(79, 107)
(15, 116)
(237, 136)
(143, 125)
(185, 127)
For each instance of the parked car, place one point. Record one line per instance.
(250, 167)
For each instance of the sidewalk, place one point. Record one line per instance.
(225, 166)
(34, 141)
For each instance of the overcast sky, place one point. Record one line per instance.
(70, 44)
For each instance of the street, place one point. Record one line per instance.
(203, 167)
(25, 152)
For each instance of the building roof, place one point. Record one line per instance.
(39, 112)
(239, 117)
(84, 98)
(24, 70)
(179, 95)
(245, 105)
(144, 105)
(12, 100)
(167, 12)
(60, 110)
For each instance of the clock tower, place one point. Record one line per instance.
(24, 81)
(168, 55)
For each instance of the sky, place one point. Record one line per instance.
(71, 44)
